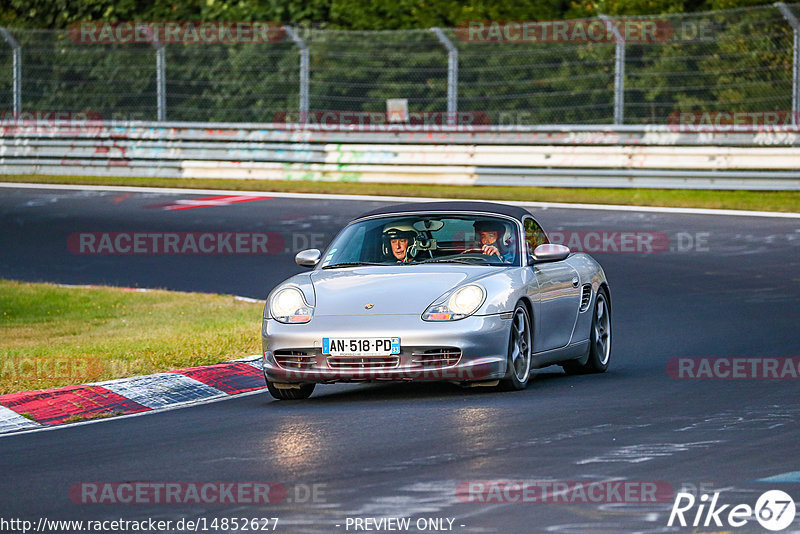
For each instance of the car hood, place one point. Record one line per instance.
(391, 290)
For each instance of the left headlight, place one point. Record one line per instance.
(289, 306)
(459, 304)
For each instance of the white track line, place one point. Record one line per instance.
(542, 205)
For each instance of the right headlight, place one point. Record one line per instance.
(459, 304)
(289, 306)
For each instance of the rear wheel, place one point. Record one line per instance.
(519, 351)
(599, 340)
(290, 391)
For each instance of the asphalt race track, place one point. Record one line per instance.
(725, 286)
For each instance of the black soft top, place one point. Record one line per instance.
(490, 208)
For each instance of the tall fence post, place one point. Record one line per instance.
(452, 75)
(789, 16)
(16, 71)
(304, 67)
(161, 73)
(619, 70)
(161, 81)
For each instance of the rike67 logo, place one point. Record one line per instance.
(774, 510)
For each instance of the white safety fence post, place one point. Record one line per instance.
(619, 70)
(452, 75)
(161, 81)
(304, 68)
(16, 71)
(792, 20)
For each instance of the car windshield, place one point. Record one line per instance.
(425, 238)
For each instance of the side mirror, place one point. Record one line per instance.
(549, 252)
(307, 258)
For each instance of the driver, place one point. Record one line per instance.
(489, 233)
(398, 242)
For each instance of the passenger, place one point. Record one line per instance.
(398, 243)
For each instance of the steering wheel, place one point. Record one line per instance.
(480, 256)
(479, 251)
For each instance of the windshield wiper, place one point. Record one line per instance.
(351, 264)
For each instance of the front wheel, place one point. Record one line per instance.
(599, 342)
(292, 392)
(519, 351)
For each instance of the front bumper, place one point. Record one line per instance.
(481, 340)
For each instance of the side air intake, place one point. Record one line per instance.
(586, 297)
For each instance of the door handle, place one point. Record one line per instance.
(575, 282)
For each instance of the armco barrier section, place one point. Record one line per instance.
(585, 156)
(558, 134)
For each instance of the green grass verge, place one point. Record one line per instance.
(785, 201)
(55, 336)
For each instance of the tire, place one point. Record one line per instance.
(599, 340)
(519, 351)
(303, 392)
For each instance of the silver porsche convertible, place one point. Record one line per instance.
(465, 292)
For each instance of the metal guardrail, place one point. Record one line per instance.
(554, 134)
(626, 156)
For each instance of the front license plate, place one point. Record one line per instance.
(366, 346)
